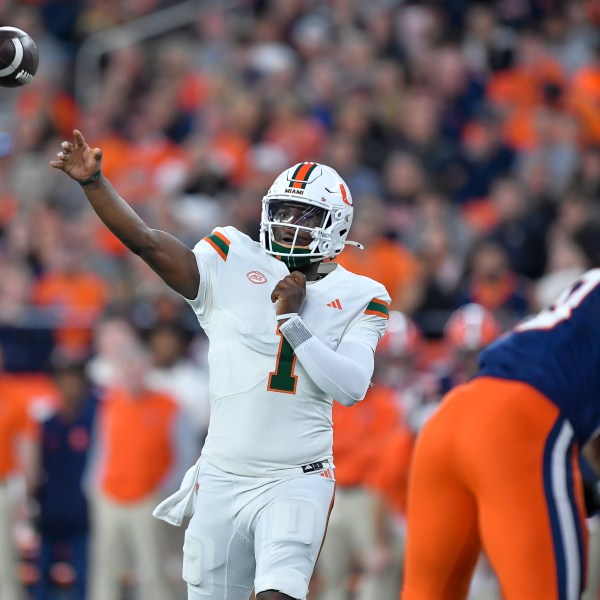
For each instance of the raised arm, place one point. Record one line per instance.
(173, 261)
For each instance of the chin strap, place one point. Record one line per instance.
(356, 244)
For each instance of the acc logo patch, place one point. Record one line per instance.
(256, 277)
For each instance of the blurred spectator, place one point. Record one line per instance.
(570, 35)
(17, 442)
(520, 231)
(65, 441)
(294, 131)
(419, 134)
(566, 258)
(354, 118)
(388, 89)
(585, 95)
(391, 263)
(492, 283)
(404, 180)
(112, 336)
(538, 188)
(522, 89)
(487, 45)
(441, 267)
(556, 145)
(76, 297)
(359, 535)
(174, 372)
(587, 239)
(485, 157)
(341, 154)
(587, 177)
(418, 26)
(136, 448)
(461, 94)
(440, 239)
(593, 558)
(398, 369)
(566, 263)
(25, 333)
(434, 208)
(575, 211)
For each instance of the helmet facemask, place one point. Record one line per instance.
(293, 230)
(306, 215)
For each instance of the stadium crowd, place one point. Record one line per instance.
(469, 135)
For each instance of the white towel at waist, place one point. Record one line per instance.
(180, 504)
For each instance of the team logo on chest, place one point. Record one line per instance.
(256, 277)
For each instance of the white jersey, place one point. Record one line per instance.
(266, 415)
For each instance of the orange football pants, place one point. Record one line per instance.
(495, 467)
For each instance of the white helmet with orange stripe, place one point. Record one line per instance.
(402, 337)
(471, 328)
(306, 215)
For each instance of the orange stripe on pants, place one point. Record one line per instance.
(477, 479)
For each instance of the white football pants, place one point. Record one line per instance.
(249, 532)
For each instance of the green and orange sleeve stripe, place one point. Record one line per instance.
(219, 243)
(379, 308)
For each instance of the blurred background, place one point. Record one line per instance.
(469, 135)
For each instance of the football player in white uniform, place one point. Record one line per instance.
(289, 331)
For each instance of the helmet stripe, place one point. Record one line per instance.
(302, 174)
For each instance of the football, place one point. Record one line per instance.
(18, 57)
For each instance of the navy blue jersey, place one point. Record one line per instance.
(558, 353)
(65, 445)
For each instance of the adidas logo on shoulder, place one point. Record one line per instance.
(335, 304)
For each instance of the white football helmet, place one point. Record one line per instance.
(326, 214)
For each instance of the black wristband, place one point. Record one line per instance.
(91, 179)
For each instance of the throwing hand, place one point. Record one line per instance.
(77, 159)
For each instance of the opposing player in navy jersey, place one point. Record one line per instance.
(497, 467)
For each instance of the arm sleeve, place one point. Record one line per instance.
(345, 373)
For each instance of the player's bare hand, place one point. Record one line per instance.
(77, 159)
(289, 293)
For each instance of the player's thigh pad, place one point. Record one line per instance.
(198, 561)
(210, 578)
(289, 534)
(218, 562)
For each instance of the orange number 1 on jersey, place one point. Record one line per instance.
(282, 379)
